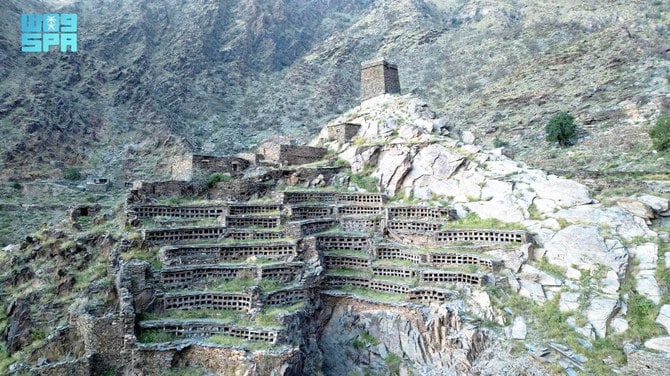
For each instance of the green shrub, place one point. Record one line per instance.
(218, 177)
(156, 336)
(71, 173)
(498, 142)
(660, 133)
(365, 182)
(562, 129)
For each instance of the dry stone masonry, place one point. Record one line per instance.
(291, 251)
(378, 77)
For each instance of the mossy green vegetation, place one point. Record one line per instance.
(660, 133)
(474, 221)
(384, 297)
(364, 340)
(156, 336)
(225, 340)
(186, 371)
(364, 181)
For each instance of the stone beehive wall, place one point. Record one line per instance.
(301, 212)
(365, 225)
(216, 253)
(388, 252)
(242, 221)
(408, 226)
(205, 300)
(346, 262)
(253, 208)
(428, 295)
(393, 271)
(204, 328)
(451, 277)
(299, 229)
(305, 197)
(206, 233)
(480, 235)
(351, 210)
(349, 260)
(286, 297)
(340, 198)
(186, 276)
(151, 211)
(395, 212)
(356, 243)
(369, 199)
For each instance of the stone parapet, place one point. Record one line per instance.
(206, 233)
(182, 277)
(200, 254)
(204, 300)
(205, 328)
(205, 211)
(396, 212)
(354, 243)
(299, 229)
(346, 262)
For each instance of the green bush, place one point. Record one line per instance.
(562, 129)
(218, 177)
(660, 133)
(498, 142)
(71, 173)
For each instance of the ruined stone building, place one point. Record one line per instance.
(378, 77)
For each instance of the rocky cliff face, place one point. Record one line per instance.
(367, 338)
(216, 77)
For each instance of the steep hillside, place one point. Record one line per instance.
(216, 77)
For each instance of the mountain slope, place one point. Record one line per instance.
(157, 79)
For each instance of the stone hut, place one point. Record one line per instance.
(210, 164)
(378, 77)
(97, 185)
(291, 154)
(343, 132)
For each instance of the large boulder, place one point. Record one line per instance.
(600, 312)
(637, 208)
(565, 193)
(518, 329)
(664, 317)
(657, 204)
(435, 161)
(585, 248)
(615, 218)
(19, 327)
(659, 344)
(392, 166)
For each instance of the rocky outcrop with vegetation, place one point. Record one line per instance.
(581, 287)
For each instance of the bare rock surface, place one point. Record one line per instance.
(664, 317)
(19, 326)
(659, 344)
(600, 313)
(518, 329)
(585, 248)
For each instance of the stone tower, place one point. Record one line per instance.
(378, 77)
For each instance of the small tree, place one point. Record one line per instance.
(218, 177)
(71, 173)
(562, 129)
(660, 133)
